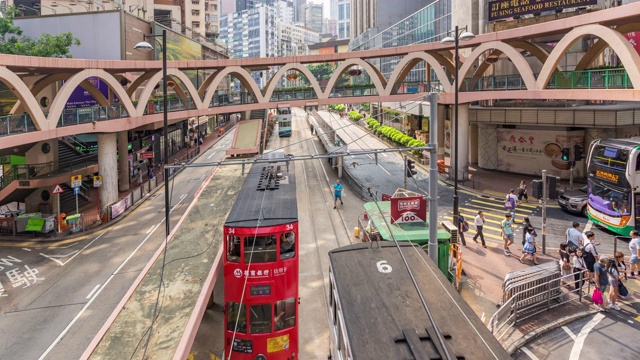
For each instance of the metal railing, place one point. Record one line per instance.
(48, 169)
(531, 296)
(16, 124)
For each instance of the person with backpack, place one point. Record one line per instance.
(510, 203)
(463, 226)
(522, 192)
(590, 254)
(573, 237)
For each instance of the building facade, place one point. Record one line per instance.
(377, 15)
(313, 15)
(341, 13)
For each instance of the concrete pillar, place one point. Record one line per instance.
(473, 143)
(123, 161)
(441, 113)
(108, 168)
(463, 138)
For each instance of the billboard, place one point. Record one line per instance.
(82, 98)
(180, 47)
(502, 9)
(408, 210)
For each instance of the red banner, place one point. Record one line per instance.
(634, 39)
(408, 210)
(386, 197)
(147, 155)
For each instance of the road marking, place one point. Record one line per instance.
(81, 250)
(51, 258)
(25, 249)
(529, 353)
(588, 226)
(385, 170)
(148, 231)
(178, 203)
(483, 318)
(569, 332)
(95, 295)
(577, 346)
(92, 291)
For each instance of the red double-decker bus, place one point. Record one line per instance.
(261, 267)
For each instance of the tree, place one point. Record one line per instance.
(12, 41)
(322, 71)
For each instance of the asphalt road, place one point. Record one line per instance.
(56, 297)
(613, 334)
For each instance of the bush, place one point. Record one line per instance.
(355, 116)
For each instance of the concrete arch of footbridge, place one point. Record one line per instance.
(20, 89)
(239, 73)
(273, 82)
(621, 46)
(374, 74)
(176, 75)
(407, 64)
(80, 78)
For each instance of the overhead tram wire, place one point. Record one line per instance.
(246, 278)
(437, 331)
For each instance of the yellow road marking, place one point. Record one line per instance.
(34, 244)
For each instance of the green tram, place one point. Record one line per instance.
(373, 227)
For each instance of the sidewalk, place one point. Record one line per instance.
(90, 213)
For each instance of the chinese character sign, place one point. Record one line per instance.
(503, 9)
(408, 210)
(529, 152)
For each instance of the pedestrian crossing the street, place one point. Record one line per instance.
(494, 211)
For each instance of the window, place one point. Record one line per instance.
(284, 314)
(610, 157)
(233, 248)
(236, 311)
(287, 240)
(260, 319)
(341, 12)
(263, 249)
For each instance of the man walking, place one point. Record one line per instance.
(479, 223)
(337, 193)
(507, 232)
(574, 237)
(510, 203)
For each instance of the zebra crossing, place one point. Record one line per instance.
(494, 211)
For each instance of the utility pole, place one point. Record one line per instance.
(404, 160)
(544, 211)
(433, 177)
(572, 163)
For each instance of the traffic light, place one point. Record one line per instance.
(411, 168)
(565, 154)
(578, 152)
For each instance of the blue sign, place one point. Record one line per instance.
(76, 190)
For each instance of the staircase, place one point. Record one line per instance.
(68, 200)
(258, 114)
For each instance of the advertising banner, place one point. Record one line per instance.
(527, 152)
(634, 39)
(502, 9)
(119, 207)
(408, 210)
(447, 137)
(81, 98)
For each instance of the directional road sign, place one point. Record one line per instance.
(76, 190)
(57, 189)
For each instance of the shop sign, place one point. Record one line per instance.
(408, 209)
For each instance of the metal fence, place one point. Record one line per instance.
(532, 291)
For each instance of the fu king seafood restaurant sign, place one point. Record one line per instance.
(502, 9)
(408, 210)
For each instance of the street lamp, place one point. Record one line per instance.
(459, 34)
(146, 47)
(84, 6)
(55, 4)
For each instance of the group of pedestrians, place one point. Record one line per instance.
(579, 254)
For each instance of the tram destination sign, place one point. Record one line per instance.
(502, 9)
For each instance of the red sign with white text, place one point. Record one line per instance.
(408, 210)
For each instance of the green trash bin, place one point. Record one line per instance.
(443, 257)
(73, 222)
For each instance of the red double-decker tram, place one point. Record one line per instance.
(261, 267)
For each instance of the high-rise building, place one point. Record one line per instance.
(313, 16)
(251, 33)
(379, 15)
(330, 26)
(298, 10)
(295, 40)
(284, 11)
(341, 13)
(212, 18)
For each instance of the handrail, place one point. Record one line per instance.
(33, 171)
(513, 311)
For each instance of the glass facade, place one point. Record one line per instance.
(429, 24)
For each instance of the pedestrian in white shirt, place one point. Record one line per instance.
(634, 248)
(479, 223)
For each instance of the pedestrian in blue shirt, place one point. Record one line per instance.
(337, 193)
